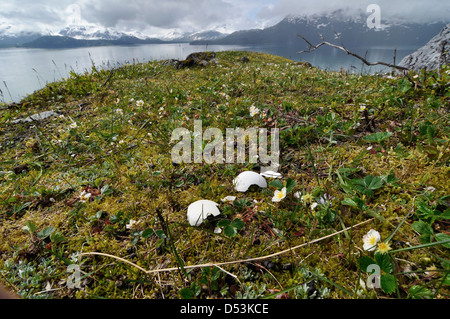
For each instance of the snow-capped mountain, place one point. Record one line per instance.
(354, 31)
(91, 32)
(177, 36)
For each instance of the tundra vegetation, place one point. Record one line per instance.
(361, 209)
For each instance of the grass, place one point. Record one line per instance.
(96, 186)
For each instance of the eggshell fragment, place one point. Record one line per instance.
(246, 179)
(198, 211)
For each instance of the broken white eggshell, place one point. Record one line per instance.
(198, 211)
(246, 179)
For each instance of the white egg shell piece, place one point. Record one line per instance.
(198, 211)
(246, 179)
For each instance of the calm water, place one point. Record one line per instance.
(22, 71)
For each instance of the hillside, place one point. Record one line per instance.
(364, 183)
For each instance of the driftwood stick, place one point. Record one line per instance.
(341, 47)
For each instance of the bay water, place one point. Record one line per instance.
(22, 71)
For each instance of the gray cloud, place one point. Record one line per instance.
(161, 14)
(190, 15)
(391, 10)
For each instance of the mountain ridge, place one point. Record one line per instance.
(354, 32)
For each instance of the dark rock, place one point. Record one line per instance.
(305, 64)
(202, 59)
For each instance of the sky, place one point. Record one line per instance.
(157, 17)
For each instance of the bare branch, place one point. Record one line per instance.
(341, 47)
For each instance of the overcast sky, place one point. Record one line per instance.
(155, 17)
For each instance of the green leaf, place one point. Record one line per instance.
(29, 227)
(367, 185)
(186, 293)
(388, 283)
(230, 231)
(215, 273)
(147, 233)
(404, 85)
(57, 237)
(277, 183)
(135, 240)
(390, 179)
(365, 262)
(105, 190)
(223, 223)
(384, 261)
(444, 215)
(377, 137)
(422, 227)
(443, 237)
(369, 182)
(290, 184)
(419, 292)
(373, 182)
(160, 233)
(349, 202)
(46, 232)
(237, 223)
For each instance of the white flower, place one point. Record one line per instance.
(73, 125)
(117, 101)
(119, 111)
(140, 103)
(362, 107)
(297, 194)
(228, 198)
(253, 110)
(84, 196)
(314, 205)
(371, 239)
(430, 189)
(130, 224)
(279, 195)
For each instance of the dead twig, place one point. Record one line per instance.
(341, 47)
(212, 264)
